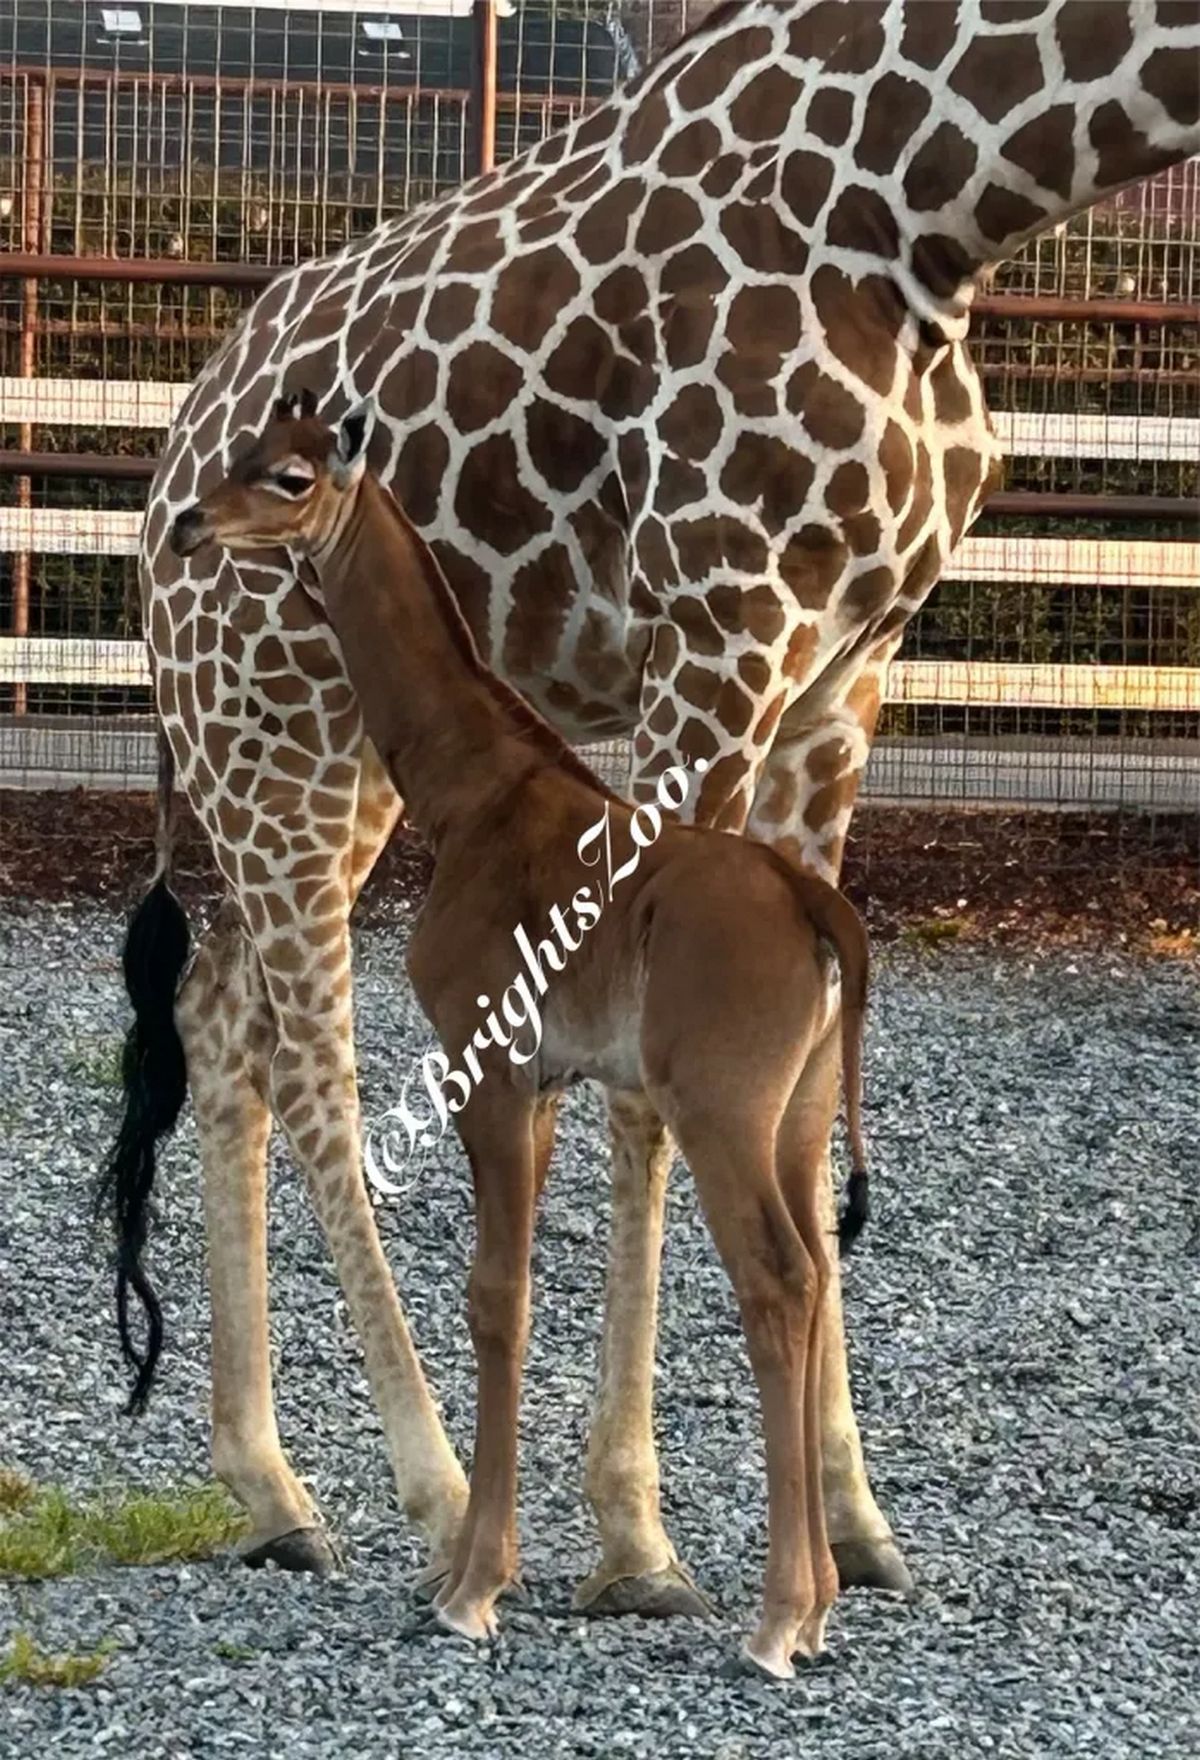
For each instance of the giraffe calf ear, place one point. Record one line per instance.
(308, 402)
(350, 450)
(288, 409)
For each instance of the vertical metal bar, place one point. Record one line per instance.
(483, 87)
(34, 150)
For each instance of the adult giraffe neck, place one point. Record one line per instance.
(932, 136)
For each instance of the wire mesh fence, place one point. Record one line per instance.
(1058, 664)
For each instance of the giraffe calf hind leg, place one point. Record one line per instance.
(777, 1279)
(864, 1550)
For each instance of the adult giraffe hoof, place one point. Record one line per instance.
(872, 1564)
(665, 1594)
(301, 1549)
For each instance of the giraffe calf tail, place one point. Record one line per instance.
(836, 919)
(154, 1079)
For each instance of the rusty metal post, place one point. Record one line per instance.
(32, 239)
(484, 55)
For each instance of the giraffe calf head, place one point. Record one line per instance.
(293, 487)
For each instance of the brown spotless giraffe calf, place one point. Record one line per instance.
(691, 973)
(680, 400)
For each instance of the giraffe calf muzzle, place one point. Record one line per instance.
(190, 530)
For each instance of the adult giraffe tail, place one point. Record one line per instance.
(154, 1078)
(837, 920)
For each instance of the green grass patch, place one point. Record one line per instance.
(931, 931)
(42, 1539)
(98, 1064)
(232, 1652)
(49, 1535)
(28, 1663)
(194, 1522)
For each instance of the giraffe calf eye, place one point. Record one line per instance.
(292, 483)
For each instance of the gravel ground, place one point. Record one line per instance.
(1026, 1358)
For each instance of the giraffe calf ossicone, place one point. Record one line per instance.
(696, 977)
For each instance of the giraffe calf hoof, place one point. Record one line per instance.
(468, 1619)
(872, 1564)
(302, 1549)
(765, 1665)
(429, 1584)
(665, 1594)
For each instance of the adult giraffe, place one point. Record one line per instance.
(681, 399)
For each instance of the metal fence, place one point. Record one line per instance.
(158, 160)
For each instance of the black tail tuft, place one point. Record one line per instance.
(853, 1218)
(154, 1076)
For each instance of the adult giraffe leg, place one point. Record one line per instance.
(803, 803)
(229, 1029)
(228, 1038)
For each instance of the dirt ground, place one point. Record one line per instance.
(1073, 878)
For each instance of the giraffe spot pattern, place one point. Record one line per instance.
(930, 31)
(763, 107)
(693, 423)
(845, 36)
(895, 109)
(530, 295)
(705, 78)
(491, 501)
(670, 217)
(764, 472)
(996, 85)
(482, 384)
(861, 220)
(1002, 213)
(542, 592)
(762, 240)
(1088, 53)
(940, 169)
(563, 448)
(690, 148)
(1044, 147)
(830, 115)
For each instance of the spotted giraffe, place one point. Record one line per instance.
(681, 400)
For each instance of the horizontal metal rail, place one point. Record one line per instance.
(1051, 504)
(113, 664)
(118, 753)
(104, 467)
(225, 85)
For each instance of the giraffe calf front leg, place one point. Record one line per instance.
(498, 1134)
